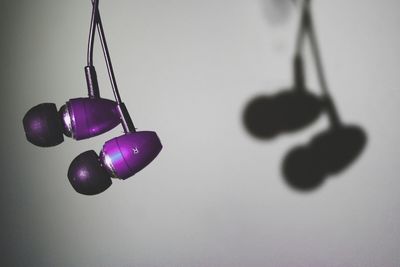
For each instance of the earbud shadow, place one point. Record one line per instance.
(305, 167)
(265, 117)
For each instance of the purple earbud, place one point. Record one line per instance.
(127, 154)
(79, 118)
(87, 117)
(121, 157)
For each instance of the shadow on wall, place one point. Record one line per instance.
(265, 117)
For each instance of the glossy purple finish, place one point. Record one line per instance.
(92, 116)
(125, 155)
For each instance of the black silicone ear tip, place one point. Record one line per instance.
(42, 125)
(300, 170)
(87, 176)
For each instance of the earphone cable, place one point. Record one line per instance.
(92, 33)
(127, 123)
(106, 53)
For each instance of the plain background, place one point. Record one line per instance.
(214, 196)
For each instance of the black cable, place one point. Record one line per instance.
(106, 53)
(91, 33)
(127, 123)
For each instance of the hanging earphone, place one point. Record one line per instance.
(81, 118)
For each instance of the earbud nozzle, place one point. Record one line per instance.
(66, 119)
(86, 174)
(42, 125)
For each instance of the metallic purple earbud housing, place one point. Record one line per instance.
(125, 155)
(87, 117)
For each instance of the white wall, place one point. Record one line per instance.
(215, 196)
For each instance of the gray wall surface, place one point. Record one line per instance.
(214, 196)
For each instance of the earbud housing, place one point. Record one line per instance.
(125, 155)
(87, 117)
(79, 118)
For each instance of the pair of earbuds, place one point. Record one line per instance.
(305, 167)
(83, 118)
